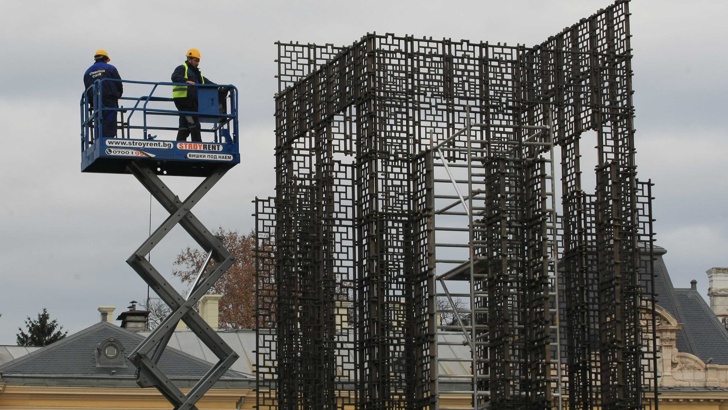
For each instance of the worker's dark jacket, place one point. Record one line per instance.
(111, 91)
(193, 74)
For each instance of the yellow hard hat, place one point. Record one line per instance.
(193, 52)
(101, 53)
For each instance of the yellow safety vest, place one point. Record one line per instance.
(180, 91)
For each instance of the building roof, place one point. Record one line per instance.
(73, 361)
(9, 353)
(702, 334)
(452, 350)
(241, 341)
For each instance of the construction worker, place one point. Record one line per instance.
(111, 90)
(185, 96)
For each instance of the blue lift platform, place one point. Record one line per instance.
(147, 127)
(145, 146)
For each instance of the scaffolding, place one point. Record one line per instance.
(416, 202)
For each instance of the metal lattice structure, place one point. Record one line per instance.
(415, 238)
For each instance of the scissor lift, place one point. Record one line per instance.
(145, 147)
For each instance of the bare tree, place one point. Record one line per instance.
(158, 311)
(237, 285)
(449, 312)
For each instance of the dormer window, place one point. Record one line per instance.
(110, 353)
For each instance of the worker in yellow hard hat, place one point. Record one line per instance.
(187, 76)
(103, 79)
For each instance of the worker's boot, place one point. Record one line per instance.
(182, 134)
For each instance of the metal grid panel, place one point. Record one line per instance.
(647, 299)
(266, 291)
(580, 290)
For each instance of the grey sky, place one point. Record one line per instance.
(65, 236)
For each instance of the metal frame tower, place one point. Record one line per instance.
(417, 179)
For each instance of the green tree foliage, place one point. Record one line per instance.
(41, 332)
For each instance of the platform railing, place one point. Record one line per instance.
(147, 112)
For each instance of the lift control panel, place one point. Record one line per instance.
(147, 122)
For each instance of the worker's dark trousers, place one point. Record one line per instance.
(108, 118)
(188, 124)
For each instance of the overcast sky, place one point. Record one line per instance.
(65, 235)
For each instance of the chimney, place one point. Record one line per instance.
(718, 292)
(210, 310)
(133, 319)
(106, 313)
